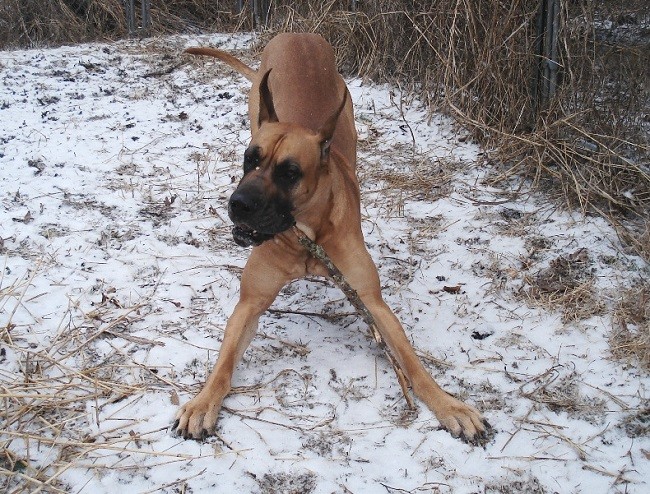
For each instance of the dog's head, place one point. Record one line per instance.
(282, 166)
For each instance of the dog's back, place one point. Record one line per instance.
(307, 87)
(304, 83)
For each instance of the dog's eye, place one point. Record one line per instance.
(287, 174)
(251, 159)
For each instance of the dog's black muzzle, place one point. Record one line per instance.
(257, 216)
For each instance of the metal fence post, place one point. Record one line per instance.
(146, 15)
(553, 62)
(546, 49)
(130, 16)
(261, 10)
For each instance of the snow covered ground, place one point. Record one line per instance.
(119, 271)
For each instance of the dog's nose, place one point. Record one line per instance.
(243, 204)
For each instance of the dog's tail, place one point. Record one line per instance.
(235, 63)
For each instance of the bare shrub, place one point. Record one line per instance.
(29, 23)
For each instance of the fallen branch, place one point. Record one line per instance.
(319, 253)
(165, 71)
(329, 317)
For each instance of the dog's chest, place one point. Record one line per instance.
(315, 267)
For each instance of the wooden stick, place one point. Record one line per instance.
(319, 253)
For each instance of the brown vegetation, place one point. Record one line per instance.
(632, 339)
(28, 23)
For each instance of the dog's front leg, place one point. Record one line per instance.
(460, 419)
(197, 418)
(259, 287)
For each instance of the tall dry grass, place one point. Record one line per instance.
(30, 23)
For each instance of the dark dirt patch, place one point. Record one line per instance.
(637, 424)
(529, 484)
(567, 284)
(286, 483)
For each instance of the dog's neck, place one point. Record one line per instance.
(306, 229)
(322, 211)
(315, 212)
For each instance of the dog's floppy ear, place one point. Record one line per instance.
(267, 110)
(327, 130)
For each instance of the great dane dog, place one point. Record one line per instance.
(299, 169)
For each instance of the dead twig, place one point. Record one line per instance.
(165, 71)
(328, 317)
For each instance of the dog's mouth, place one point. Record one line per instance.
(245, 236)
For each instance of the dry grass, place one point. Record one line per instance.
(44, 22)
(415, 177)
(631, 340)
(567, 283)
(57, 380)
(560, 391)
(28, 23)
(46, 405)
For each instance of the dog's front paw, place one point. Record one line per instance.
(197, 418)
(464, 421)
